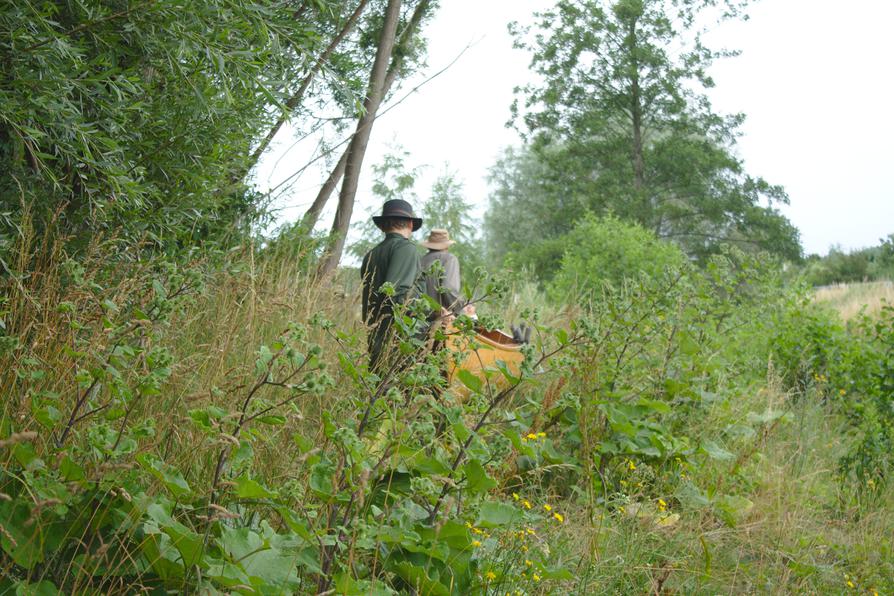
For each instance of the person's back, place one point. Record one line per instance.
(394, 261)
(442, 273)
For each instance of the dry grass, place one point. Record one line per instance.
(850, 299)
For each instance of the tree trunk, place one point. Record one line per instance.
(358, 144)
(636, 110)
(313, 214)
(296, 97)
(309, 220)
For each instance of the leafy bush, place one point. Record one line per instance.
(874, 263)
(136, 121)
(602, 251)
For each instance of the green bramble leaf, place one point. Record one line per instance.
(246, 488)
(715, 451)
(470, 380)
(494, 514)
(169, 476)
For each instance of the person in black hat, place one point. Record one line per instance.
(394, 260)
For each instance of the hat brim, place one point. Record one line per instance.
(438, 245)
(378, 219)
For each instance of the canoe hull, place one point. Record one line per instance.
(489, 348)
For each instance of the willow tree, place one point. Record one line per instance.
(620, 119)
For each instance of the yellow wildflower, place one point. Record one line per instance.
(850, 584)
(631, 466)
(559, 517)
(547, 506)
(541, 435)
(527, 504)
(536, 578)
(529, 562)
(476, 543)
(662, 506)
(477, 531)
(530, 531)
(469, 525)
(515, 496)
(490, 576)
(524, 548)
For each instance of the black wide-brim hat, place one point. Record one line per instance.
(398, 208)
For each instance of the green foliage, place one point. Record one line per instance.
(618, 123)
(607, 251)
(868, 264)
(136, 118)
(204, 421)
(447, 208)
(288, 467)
(852, 367)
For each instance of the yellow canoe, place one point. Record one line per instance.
(489, 347)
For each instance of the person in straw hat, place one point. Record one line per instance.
(395, 260)
(441, 272)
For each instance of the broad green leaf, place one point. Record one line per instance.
(41, 588)
(71, 470)
(493, 514)
(732, 508)
(469, 379)
(321, 479)
(272, 420)
(477, 480)
(246, 488)
(48, 416)
(170, 476)
(715, 451)
(421, 582)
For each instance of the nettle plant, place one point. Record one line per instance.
(410, 494)
(403, 486)
(851, 367)
(659, 352)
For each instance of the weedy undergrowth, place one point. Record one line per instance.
(211, 425)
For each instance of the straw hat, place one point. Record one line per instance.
(437, 240)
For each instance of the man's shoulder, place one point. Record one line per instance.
(438, 255)
(404, 246)
(389, 247)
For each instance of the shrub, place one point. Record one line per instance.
(602, 251)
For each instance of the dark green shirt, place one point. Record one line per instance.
(394, 260)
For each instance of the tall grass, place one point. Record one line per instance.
(850, 299)
(803, 531)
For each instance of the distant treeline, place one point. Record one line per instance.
(839, 266)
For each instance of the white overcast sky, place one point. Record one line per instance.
(815, 80)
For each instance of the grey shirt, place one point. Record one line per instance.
(445, 287)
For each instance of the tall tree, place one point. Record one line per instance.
(406, 53)
(297, 96)
(360, 140)
(392, 179)
(620, 120)
(447, 208)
